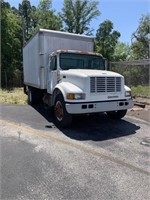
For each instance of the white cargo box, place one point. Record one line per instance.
(43, 43)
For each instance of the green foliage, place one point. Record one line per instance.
(18, 25)
(46, 17)
(141, 36)
(41, 16)
(45, 5)
(106, 39)
(77, 15)
(134, 75)
(141, 90)
(122, 52)
(11, 39)
(25, 9)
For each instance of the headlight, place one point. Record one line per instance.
(73, 96)
(128, 93)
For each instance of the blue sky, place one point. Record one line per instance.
(124, 14)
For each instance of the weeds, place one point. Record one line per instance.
(13, 96)
(143, 91)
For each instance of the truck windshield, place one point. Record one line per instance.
(81, 61)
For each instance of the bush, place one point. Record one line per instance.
(143, 91)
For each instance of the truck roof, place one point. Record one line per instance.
(40, 31)
(65, 33)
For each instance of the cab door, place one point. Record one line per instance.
(52, 74)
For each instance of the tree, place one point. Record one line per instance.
(44, 17)
(47, 18)
(11, 35)
(141, 38)
(77, 15)
(122, 52)
(106, 39)
(26, 10)
(45, 5)
(34, 18)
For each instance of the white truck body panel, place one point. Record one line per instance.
(100, 97)
(95, 107)
(43, 43)
(82, 80)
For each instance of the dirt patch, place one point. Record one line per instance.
(141, 109)
(142, 113)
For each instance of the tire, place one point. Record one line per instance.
(61, 116)
(117, 114)
(32, 97)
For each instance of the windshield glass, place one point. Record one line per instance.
(81, 61)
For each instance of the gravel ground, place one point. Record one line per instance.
(139, 111)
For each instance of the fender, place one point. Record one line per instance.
(64, 88)
(126, 88)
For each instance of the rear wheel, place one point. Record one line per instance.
(32, 98)
(117, 114)
(35, 96)
(62, 117)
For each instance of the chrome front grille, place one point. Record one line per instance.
(105, 84)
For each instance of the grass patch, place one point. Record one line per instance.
(14, 96)
(143, 91)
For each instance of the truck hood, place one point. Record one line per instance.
(89, 73)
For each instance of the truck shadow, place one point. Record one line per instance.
(96, 128)
(99, 128)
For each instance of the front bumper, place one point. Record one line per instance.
(94, 107)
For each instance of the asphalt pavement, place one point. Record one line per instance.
(96, 158)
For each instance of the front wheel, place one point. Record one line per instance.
(62, 117)
(117, 114)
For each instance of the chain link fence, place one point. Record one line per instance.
(135, 72)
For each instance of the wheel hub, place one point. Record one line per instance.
(59, 111)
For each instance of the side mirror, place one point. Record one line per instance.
(106, 64)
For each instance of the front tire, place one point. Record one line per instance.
(62, 117)
(117, 114)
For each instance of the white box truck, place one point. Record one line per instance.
(61, 69)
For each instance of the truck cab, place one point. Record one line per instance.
(78, 83)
